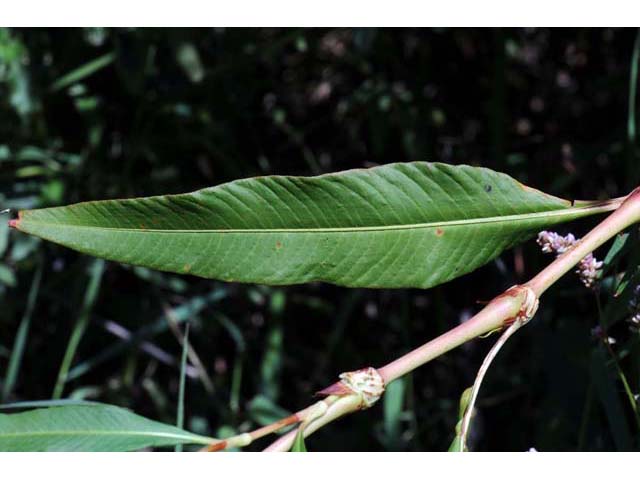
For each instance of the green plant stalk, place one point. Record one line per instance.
(192, 355)
(496, 314)
(193, 306)
(633, 90)
(625, 383)
(83, 71)
(183, 376)
(21, 337)
(79, 328)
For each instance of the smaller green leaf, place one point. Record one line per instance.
(93, 286)
(464, 404)
(393, 408)
(608, 394)
(88, 428)
(298, 443)
(619, 245)
(456, 444)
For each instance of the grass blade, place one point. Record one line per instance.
(393, 408)
(607, 392)
(21, 337)
(83, 72)
(45, 403)
(180, 314)
(80, 326)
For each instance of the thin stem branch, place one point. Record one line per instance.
(80, 326)
(193, 356)
(22, 334)
(466, 419)
(500, 312)
(625, 383)
(244, 439)
(341, 407)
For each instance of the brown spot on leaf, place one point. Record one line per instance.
(186, 268)
(278, 245)
(439, 232)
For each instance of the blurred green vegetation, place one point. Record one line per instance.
(103, 113)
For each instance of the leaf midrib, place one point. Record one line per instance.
(591, 209)
(123, 433)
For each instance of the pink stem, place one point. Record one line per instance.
(495, 315)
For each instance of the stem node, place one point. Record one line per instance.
(366, 383)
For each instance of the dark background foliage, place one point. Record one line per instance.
(103, 113)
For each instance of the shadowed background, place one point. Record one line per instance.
(95, 113)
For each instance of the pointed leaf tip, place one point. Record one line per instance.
(338, 388)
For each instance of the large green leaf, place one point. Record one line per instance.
(88, 427)
(399, 225)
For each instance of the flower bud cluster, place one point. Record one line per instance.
(588, 269)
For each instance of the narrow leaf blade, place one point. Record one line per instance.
(400, 225)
